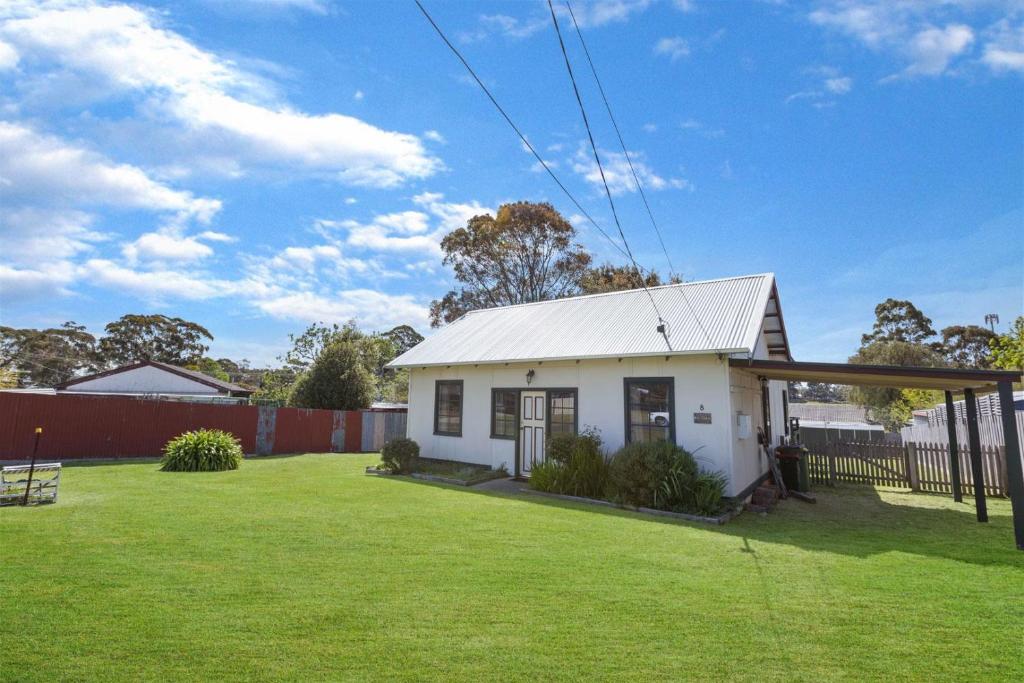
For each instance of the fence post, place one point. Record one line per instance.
(831, 464)
(954, 449)
(910, 456)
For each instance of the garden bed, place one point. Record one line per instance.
(684, 516)
(448, 472)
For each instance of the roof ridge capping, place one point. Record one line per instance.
(619, 292)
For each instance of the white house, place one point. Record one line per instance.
(489, 387)
(150, 378)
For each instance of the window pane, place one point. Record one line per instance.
(649, 411)
(505, 413)
(563, 412)
(449, 407)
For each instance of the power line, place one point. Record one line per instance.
(518, 132)
(625, 152)
(604, 180)
(622, 143)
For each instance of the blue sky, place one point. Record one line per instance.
(256, 166)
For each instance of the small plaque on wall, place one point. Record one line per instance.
(702, 418)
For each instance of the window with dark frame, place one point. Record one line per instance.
(503, 413)
(448, 407)
(650, 410)
(562, 411)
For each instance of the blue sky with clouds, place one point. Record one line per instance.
(258, 165)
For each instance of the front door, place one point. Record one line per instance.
(531, 430)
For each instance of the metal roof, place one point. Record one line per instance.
(712, 316)
(945, 379)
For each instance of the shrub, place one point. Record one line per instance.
(639, 472)
(706, 493)
(401, 456)
(204, 450)
(574, 465)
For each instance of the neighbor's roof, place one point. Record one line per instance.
(713, 316)
(173, 369)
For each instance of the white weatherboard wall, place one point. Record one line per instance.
(700, 381)
(145, 379)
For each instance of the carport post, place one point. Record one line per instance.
(1014, 469)
(974, 443)
(954, 448)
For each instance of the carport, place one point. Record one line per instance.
(948, 380)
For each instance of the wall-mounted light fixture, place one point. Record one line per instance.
(529, 376)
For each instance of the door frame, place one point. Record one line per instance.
(547, 415)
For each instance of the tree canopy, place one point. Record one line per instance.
(134, 337)
(967, 346)
(527, 252)
(611, 278)
(46, 357)
(336, 380)
(899, 320)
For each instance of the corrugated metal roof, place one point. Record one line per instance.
(712, 316)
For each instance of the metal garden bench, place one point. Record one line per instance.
(15, 478)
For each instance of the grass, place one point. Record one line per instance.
(303, 568)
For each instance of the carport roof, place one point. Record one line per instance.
(945, 379)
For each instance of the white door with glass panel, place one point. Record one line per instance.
(532, 426)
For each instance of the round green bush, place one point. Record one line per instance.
(204, 450)
(401, 456)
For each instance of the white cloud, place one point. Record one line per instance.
(8, 56)
(31, 236)
(932, 49)
(358, 95)
(832, 83)
(158, 284)
(127, 51)
(684, 5)
(588, 15)
(696, 126)
(434, 136)
(674, 48)
(452, 215)
(37, 167)
(313, 6)
(650, 128)
(617, 172)
(372, 309)
(1004, 50)
(839, 86)
(212, 236)
(167, 244)
(930, 38)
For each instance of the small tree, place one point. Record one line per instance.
(1008, 349)
(337, 380)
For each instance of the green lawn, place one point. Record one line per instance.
(304, 568)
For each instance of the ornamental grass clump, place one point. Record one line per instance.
(204, 450)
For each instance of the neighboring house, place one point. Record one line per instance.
(150, 378)
(491, 386)
(832, 415)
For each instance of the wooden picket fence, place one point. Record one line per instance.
(915, 466)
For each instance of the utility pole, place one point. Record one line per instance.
(991, 319)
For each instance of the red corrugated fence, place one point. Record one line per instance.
(81, 427)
